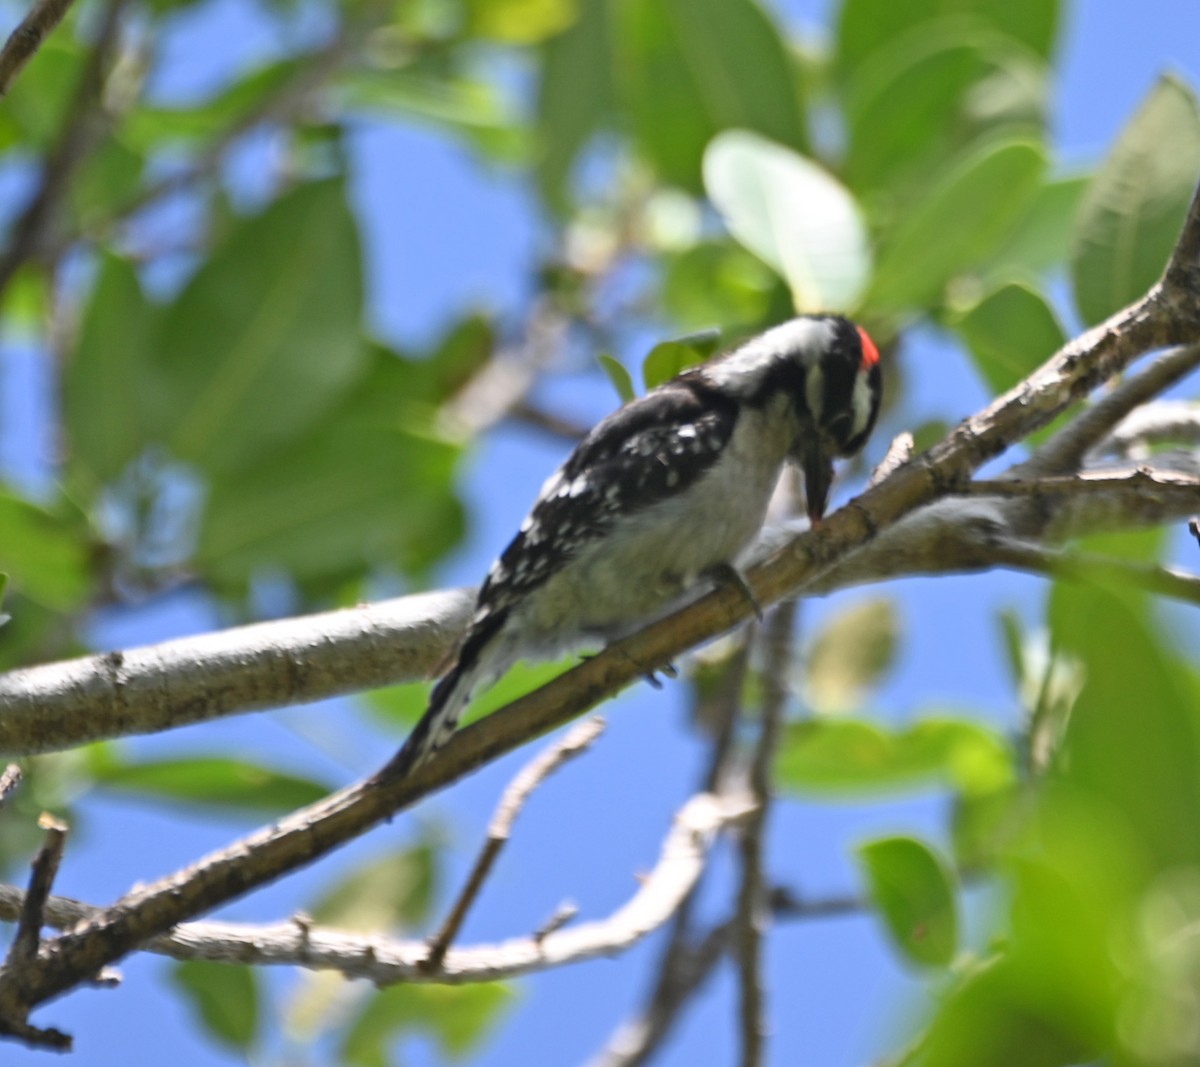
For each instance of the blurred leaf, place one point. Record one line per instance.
(473, 109)
(914, 891)
(851, 652)
(392, 889)
(151, 128)
(1134, 733)
(867, 27)
(224, 997)
(668, 358)
(24, 302)
(107, 180)
(953, 230)
(985, 825)
(265, 337)
(520, 21)
(852, 757)
(928, 433)
(457, 1017)
(405, 704)
(44, 552)
(1133, 210)
(372, 484)
(1013, 636)
(793, 215)
(1010, 333)
(691, 68)
(618, 374)
(214, 782)
(1040, 241)
(576, 95)
(1081, 979)
(463, 350)
(716, 282)
(104, 375)
(930, 97)
(38, 100)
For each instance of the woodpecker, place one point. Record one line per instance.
(660, 499)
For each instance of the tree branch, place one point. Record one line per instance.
(575, 743)
(27, 38)
(1065, 452)
(751, 916)
(383, 960)
(75, 140)
(247, 668)
(1158, 320)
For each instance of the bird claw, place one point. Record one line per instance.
(728, 574)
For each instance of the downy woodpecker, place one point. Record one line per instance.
(660, 498)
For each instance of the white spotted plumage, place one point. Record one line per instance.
(663, 494)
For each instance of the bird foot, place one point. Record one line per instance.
(728, 574)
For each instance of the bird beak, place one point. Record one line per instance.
(818, 478)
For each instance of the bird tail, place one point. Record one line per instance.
(475, 665)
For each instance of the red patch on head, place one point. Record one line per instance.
(870, 353)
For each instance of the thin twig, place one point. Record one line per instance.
(575, 743)
(1140, 478)
(45, 868)
(683, 961)
(76, 139)
(384, 960)
(14, 1005)
(27, 38)
(752, 914)
(1065, 451)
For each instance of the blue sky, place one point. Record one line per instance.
(441, 235)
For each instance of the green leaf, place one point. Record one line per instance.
(371, 484)
(104, 375)
(691, 68)
(224, 997)
(852, 757)
(151, 129)
(264, 340)
(396, 888)
(867, 27)
(475, 110)
(1040, 241)
(405, 704)
(1133, 741)
(1132, 213)
(716, 282)
(952, 231)
(932, 96)
(851, 652)
(618, 374)
(457, 1017)
(107, 181)
(38, 101)
(45, 553)
(1010, 333)
(984, 826)
(793, 215)
(213, 782)
(575, 97)
(668, 358)
(914, 891)
(519, 21)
